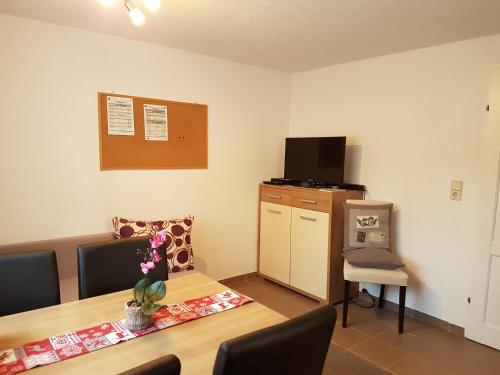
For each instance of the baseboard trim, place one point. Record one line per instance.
(425, 318)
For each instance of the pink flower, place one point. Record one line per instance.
(156, 256)
(145, 267)
(158, 239)
(155, 242)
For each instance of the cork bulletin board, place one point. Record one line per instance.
(186, 146)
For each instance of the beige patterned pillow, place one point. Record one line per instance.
(178, 238)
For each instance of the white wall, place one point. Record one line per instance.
(51, 185)
(413, 121)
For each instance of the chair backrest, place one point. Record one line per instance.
(111, 266)
(167, 365)
(295, 347)
(29, 281)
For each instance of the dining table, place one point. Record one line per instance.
(194, 342)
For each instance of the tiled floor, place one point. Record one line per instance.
(372, 335)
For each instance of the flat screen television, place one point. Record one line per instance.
(318, 159)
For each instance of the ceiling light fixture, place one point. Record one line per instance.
(135, 13)
(152, 5)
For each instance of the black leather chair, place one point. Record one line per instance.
(168, 365)
(111, 266)
(295, 347)
(28, 281)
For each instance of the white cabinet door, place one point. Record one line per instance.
(274, 249)
(309, 251)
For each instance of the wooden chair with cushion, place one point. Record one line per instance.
(383, 277)
(29, 281)
(296, 347)
(167, 365)
(111, 266)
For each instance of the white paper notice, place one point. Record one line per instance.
(120, 116)
(155, 122)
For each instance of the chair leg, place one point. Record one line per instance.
(347, 286)
(402, 299)
(381, 297)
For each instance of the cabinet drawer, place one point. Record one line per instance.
(312, 201)
(277, 196)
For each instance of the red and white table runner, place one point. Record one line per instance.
(61, 347)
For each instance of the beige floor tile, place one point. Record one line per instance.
(474, 367)
(340, 361)
(347, 337)
(378, 352)
(298, 305)
(412, 365)
(367, 325)
(484, 354)
(258, 290)
(406, 342)
(387, 316)
(453, 353)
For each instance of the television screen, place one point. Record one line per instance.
(318, 159)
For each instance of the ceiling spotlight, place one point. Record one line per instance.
(135, 13)
(152, 5)
(106, 3)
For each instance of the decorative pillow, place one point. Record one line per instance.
(367, 226)
(373, 258)
(178, 238)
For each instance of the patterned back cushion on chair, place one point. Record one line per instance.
(367, 226)
(178, 242)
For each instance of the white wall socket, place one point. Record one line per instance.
(456, 190)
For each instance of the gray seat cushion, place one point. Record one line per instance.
(373, 258)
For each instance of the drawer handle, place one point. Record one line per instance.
(308, 218)
(274, 211)
(308, 201)
(274, 196)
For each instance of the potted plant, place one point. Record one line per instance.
(146, 293)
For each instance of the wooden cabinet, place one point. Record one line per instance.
(300, 239)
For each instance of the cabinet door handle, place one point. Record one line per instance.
(308, 218)
(274, 196)
(274, 211)
(308, 201)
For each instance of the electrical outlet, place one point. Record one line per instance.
(456, 190)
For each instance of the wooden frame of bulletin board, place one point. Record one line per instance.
(186, 147)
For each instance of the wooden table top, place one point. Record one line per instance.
(195, 342)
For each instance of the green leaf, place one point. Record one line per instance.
(149, 308)
(155, 291)
(139, 288)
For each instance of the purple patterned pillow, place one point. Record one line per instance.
(178, 242)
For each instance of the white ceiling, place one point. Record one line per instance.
(287, 35)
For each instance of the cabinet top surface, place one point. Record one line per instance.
(300, 188)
